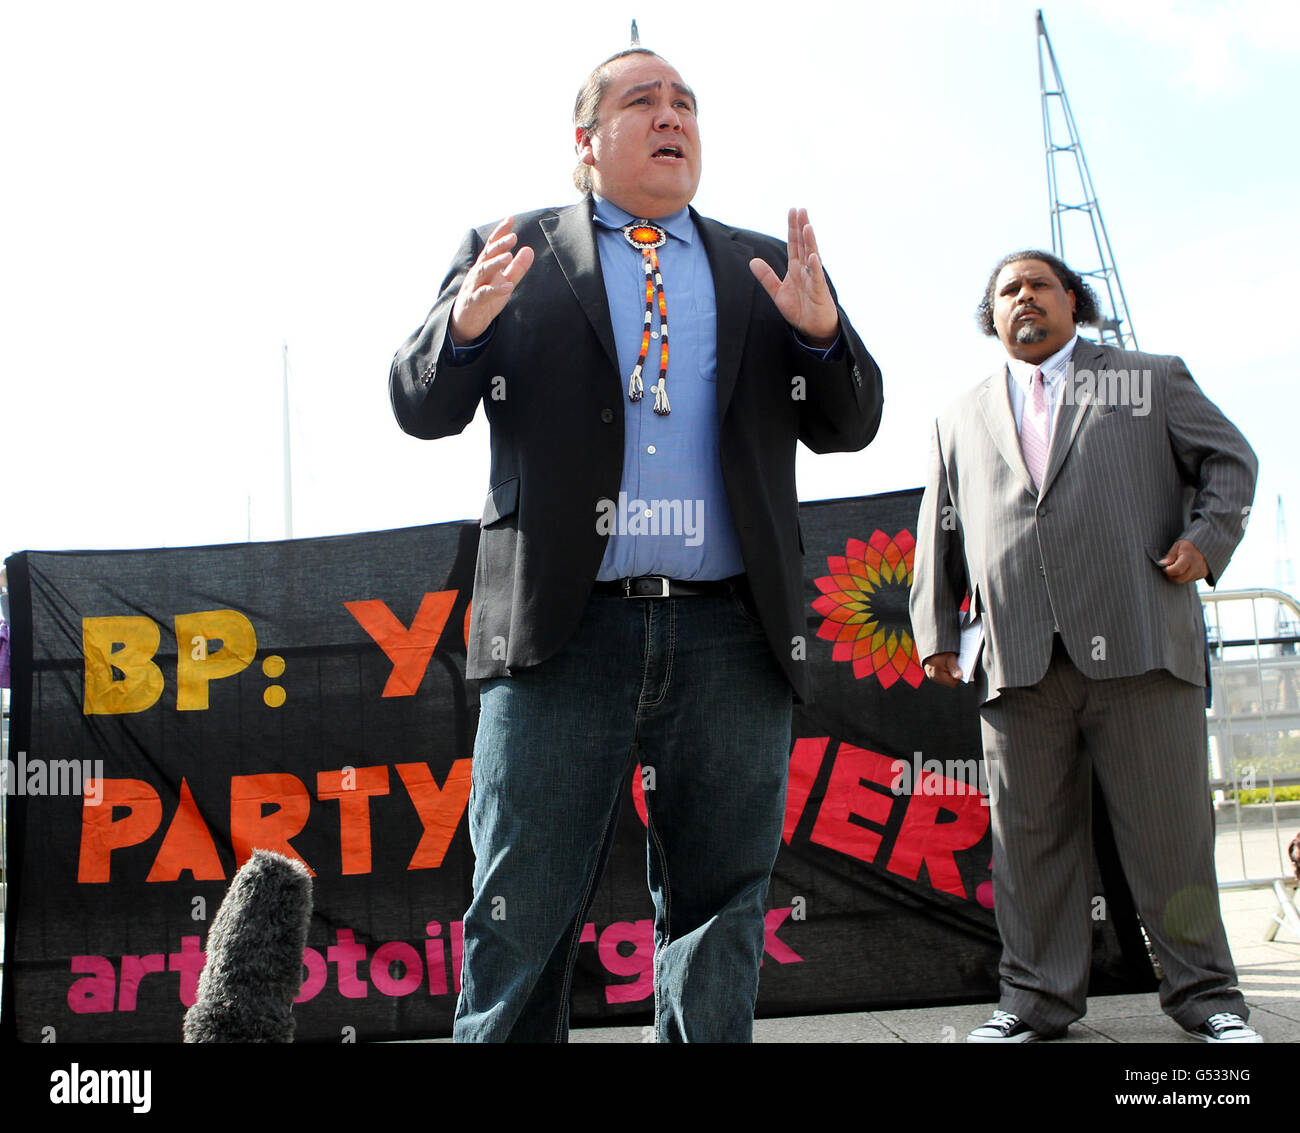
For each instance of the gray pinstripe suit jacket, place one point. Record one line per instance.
(1080, 555)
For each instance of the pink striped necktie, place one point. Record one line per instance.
(1033, 429)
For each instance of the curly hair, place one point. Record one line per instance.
(587, 105)
(1087, 312)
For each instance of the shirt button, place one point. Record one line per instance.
(649, 514)
(650, 449)
(654, 334)
(607, 415)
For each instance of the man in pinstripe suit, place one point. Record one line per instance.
(1078, 494)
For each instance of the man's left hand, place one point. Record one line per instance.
(1184, 563)
(802, 297)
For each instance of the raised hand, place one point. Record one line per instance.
(487, 287)
(802, 297)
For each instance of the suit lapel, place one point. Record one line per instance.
(1086, 356)
(733, 288)
(995, 404)
(573, 242)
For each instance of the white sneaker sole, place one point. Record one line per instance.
(1023, 1037)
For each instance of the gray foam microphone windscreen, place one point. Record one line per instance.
(254, 955)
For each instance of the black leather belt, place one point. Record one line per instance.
(656, 586)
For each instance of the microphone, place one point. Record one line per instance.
(253, 968)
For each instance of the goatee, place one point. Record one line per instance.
(1031, 332)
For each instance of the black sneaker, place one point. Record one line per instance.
(1004, 1028)
(1225, 1027)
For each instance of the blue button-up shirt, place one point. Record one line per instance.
(672, 516)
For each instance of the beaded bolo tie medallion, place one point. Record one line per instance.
(646, 238)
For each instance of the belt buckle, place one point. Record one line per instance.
(663, 586)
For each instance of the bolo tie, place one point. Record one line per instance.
(646, 238)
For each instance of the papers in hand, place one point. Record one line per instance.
(972, 637)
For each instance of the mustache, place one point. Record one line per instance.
(1028, 307)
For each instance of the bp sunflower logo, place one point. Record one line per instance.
(863, 604)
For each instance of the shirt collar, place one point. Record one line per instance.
(679, 224)
(1053, 368)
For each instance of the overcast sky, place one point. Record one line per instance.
(189, 186)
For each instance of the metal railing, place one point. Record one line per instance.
(1254, 733)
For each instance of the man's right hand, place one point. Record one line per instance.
(488, 285)
(942, 667)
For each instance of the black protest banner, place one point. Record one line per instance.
(173, 709)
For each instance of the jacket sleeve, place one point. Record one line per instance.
(939, 569)
(844, 395)
(1215, 459)
(432, 395)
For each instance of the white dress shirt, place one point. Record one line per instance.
(1021, 378)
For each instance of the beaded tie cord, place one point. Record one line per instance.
(646, 237)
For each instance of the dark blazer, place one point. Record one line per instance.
(1082, 555)
(550, 383)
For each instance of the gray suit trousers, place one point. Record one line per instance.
(1145, 737)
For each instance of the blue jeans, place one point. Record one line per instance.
(688, 686)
